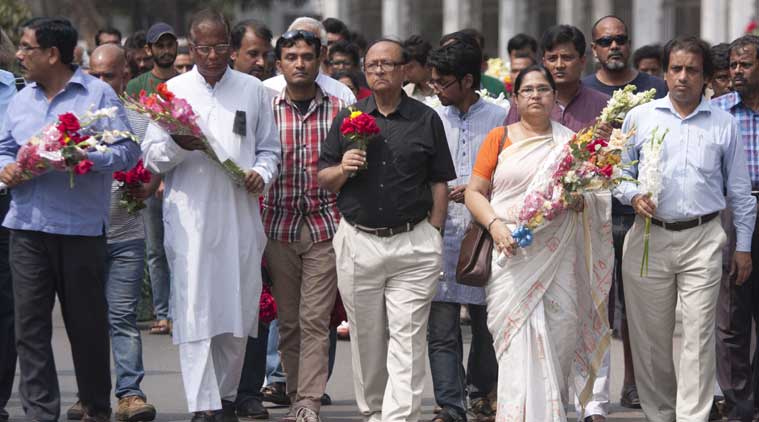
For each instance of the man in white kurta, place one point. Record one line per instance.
(214, 238)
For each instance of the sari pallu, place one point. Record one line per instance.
(547, 304)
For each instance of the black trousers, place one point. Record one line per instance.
(73, 267)
(254, 368)
(7, 339)
(737, 307)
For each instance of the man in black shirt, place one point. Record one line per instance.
(388, 245)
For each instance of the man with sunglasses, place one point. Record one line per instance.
(611, 46)
(214, 236)
(388, 244)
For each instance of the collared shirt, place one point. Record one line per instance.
(409, 153)
(748, 121)
(581, 111)
(47, 203)
(295, 197)
(465, 133)
(7, 90)
(701, 157)
(330, 85)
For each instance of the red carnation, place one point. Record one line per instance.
(67, 122)
(83, 167)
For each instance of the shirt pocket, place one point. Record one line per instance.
(709, 158)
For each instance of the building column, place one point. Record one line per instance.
(647, 24)
(336, 9)
(569, 12)
(396, 18)
(459, 14)
(714, 20)
(740, 13)
(513, 17)
(602, 8)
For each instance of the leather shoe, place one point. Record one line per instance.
(252, 408)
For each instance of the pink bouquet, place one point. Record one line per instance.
(176, 116)
(63, 145)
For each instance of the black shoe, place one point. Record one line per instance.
(206, 417)
(228, 412)
(326, 400)
(629, 398)
(92, 415)
(252, 408)
(75, 412)
(276, 393)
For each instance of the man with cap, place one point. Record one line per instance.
(162, 46)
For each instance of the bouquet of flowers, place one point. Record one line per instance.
(176, 116)
(649, 179)
(622, 101)
(359, 127)
(498, 69)
(130, 180)
(62, 145)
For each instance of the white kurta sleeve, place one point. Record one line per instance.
(268, 148)
(160, 153)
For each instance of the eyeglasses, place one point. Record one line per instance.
(300, 34)
(541, 91)
(26, 49)
(341, 63)
(606, 41)
(381, 66)
(439, 85)
(205, 50)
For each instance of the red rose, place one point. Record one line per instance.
(348, 127)
(119, 176)
(67, 122)
(606, 170)
(83, 167)
(366, 124)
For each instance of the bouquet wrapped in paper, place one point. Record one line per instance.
(176, 116)
(130, 180)
(63, 144)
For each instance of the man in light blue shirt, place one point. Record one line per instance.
(702, 163)
(57, 232)
(467, 120)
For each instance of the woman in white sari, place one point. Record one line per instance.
(547, 302)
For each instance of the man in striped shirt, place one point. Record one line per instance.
(300, 219)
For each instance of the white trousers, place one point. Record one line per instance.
(387, 285)
(211, 370)
(685, 264)
(599, 401)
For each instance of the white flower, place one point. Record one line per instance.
(622, 101)
(649, 173)
(432, 101)
(500, 101)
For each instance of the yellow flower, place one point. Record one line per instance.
(356, 114)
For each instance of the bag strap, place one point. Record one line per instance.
(500, 148)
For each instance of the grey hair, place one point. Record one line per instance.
(309, 24)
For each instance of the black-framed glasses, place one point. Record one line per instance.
(219, 49)
(441, 86)
(607, 40)
(299, 34)
(381, 66)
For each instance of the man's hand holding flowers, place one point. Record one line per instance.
(353, 160)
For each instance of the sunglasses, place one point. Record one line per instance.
(608, 40)
(300, 34)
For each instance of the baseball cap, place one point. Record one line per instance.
(158, 30)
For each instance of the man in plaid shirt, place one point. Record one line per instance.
(300, 219)
(739, 302)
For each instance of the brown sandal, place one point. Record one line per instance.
(161, 327)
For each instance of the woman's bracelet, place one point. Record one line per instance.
(491, 223)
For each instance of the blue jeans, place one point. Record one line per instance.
(446, 352)
(124, 267)
(274, 371)
(158, 267)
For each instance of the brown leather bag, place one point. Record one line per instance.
(475, 258)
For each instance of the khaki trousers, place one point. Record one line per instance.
(305, 288)
(684, 264)
(387, 285)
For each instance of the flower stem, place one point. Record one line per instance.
(646, 237)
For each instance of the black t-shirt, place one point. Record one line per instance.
(303, 105)
(409, 154)
(642, 82)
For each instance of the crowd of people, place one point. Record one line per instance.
(372, 236)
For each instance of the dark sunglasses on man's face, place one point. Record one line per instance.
(606, 41)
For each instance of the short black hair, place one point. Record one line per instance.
(533, 68)
(109, 31)
(458, 59)
(721, 56)
(477, 35)
(404, 54)
(350, 75)
(562, 34)
(345, 47)
(651, 51)
(595, 24)
(54, 32)
(460, 36)
(258, 28)
(136, 41)
(690, 44)
(358, 39)
(207, 15)
(745, 41)
(521, 41)
(297, 35)
(417, 48)
(336, 26)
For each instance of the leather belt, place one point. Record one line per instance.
(685, 225)
(387, 231)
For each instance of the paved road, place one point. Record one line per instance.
(163, 384)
